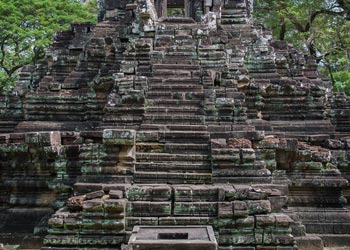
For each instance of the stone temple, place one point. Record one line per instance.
(174, 114)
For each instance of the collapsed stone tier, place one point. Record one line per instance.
(240, 214)
(146, 120)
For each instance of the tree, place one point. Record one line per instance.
(27, 28)
(321, 27)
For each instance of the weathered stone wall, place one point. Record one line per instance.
(239, 215)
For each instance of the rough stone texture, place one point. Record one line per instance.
(147, 238)
(148, 120)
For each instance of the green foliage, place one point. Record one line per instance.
(342, 81)
(92, 6)
(319, 27)
(27, 28)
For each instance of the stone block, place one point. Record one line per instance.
(149, 193)
(278, 202)
(94, 195)
(100, 240)
(56, 222)
(195, 209)
(43, 138)
(119, 137)
(259, 207)
(61, 240)
(239, 143)
(263, 221)
(83, 188)
(145, 209)
(247, 155)
(114, 206)
(240, 209)
(237, 239)
(204, 193)
(225, 210)
(113, 224)
(72, 223)
(236, 248)
(95, 205)
(241, 192)
(245, 223)
(257, 194)
(282, 239)
(116, 194)
(182, 193)
(283, 220)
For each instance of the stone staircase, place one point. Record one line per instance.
(174, 142)
(175, 157)
(175, 93)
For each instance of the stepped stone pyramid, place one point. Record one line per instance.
(174, 113)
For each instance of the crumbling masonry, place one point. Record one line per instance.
(168, 113)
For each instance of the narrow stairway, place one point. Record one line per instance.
(174, 143)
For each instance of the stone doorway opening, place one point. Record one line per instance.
(176, 8)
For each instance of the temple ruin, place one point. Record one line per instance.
(168, 114)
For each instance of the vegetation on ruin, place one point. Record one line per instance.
(320, 27)
(27, 28)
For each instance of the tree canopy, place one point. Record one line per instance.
(27, 28)
(320, 27)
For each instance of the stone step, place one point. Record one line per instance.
(319, 126)
(155, 81)
(242, 180)
(173, 148)
(172, 110)
(176, 66)
(181, 41)
(309, 242)
(173, 167)
(186, 148)
(179, 95)
(180, 53)
(183, 48)
(165, 157)
(174, 102)
(222, 127)
(242, 172)
(209, 48)
(294, 116)
(183, 61)
(170, 127)
(185, 135)
(172, 178)
(159, 95)
(106, 179)
(179, 80)
(81, 188)
(175, 87)
(129, 110)
(178, 136)
(335, 240)
(7, 126)
(235, 20)
(176, 72)
(174, 221)
(175, 108)
(179, 59)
